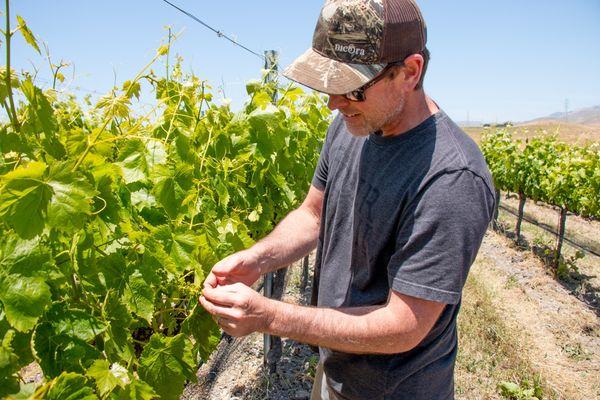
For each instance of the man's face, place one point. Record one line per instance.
(382, 109)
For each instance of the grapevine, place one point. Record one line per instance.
(544, 169)
(110, 221)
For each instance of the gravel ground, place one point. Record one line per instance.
(236, 371)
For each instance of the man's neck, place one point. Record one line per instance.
(417, 108)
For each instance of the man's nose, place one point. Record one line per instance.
(336, 101)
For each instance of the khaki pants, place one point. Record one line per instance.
(320, 391)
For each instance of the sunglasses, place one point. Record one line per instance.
(359, 94)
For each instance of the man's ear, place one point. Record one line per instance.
(412, 71)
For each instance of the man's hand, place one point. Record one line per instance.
(238, 309)
(242, 266)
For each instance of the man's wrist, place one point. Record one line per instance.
(263, 260)
(271, 309)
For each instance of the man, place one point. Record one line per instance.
(398, 206)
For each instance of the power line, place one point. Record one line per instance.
(218, 32)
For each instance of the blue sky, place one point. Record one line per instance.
(491, 61)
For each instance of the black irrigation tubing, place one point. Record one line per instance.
(545, 227)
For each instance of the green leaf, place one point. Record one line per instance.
(117, 338)
(27, 34)
(137, 390)
(167, 190)
(162, 50)
(206, 333)
(166, 363)
(61, 341)
(509, 389)
(12, 141)
(9, 366)
(106, 379)
(223, 194)
(137, 159)
(180, 246)
(114, 106)
(132, 89)
(14, 83)
(167, 196)
(58, 352)
(25, 393)
(139, 296)
(43, 116)
(24, 299)
(68, 386)
(253, 86)
(74, 323)
(20, 343)
(24, 257)
(24, 199)
(71, 203)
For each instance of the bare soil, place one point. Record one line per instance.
(581, 274)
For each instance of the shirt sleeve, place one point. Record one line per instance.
(439, 236)
(321, 172)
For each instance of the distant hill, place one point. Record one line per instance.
(582, 116)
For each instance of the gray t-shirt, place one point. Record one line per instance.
(408, 213)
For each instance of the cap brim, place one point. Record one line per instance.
(330, 76)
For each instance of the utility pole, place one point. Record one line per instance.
(566, 110)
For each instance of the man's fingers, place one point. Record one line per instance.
(217, 310)
(222, 295)
(211, 280)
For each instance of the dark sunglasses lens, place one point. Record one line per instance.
(356, 95)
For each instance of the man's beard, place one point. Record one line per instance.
(376, 123)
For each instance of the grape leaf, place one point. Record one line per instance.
(24, 299)
(70, 205)
(166, 363)
(117, 338)
(137, 390)
(74, 323)
(58, 352)
(24, 257)
(139, 296)
(9, 366)
(68, 386)
(106, 381)
(43, 112)
(27, 34)
(14, 83)
(24, 199)
(21, 342)
(206, 333)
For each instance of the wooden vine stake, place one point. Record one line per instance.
(559, 241)
(522, 199)
(274, 282)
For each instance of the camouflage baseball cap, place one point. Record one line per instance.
(355, 39)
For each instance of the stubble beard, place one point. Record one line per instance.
(376, 122)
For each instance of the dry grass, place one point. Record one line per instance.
(544, 331)
(490, 351)
(569, 133)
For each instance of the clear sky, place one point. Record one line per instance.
(492, 61)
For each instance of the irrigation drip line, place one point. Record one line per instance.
(218, 32)
(548, 229)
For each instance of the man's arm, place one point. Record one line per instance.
(397, 326)
(295, 236)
